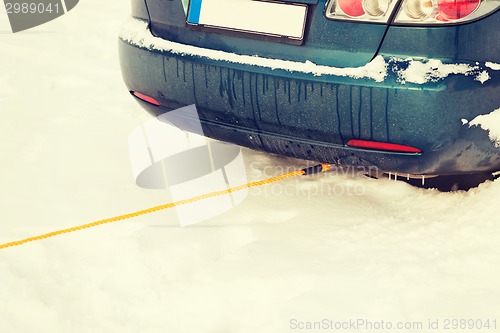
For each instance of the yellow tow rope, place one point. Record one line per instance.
(308, 171)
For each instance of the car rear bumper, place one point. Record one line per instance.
(308, 111)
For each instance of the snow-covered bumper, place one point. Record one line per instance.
(310, 111)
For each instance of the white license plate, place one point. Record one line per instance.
(257, 17)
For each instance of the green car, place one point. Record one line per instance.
(410, 87)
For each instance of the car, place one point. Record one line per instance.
(408, 87)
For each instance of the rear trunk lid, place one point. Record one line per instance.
(324, 41)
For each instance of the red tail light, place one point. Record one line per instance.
(384, 146)
(457, 9)
(352, 8)
(145, 98)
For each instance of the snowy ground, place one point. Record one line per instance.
(374, 250)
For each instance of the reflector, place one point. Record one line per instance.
(145, 98)
(366, 144)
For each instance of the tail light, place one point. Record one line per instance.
(360, 10)
(418, 9)
(376, 8)
(352, 8)
(436, 12)
(411, 12)
(456, 10)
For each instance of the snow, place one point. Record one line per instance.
(136, 32)
(493, 66)
(327, 246)
(433, 70)
(482, 77)
(489, 122)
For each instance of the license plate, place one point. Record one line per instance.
(267, 18)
